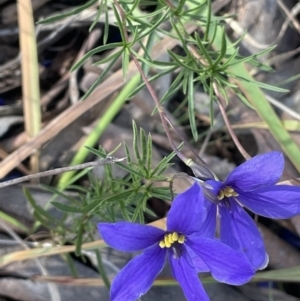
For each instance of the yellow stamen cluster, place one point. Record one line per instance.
(226, 192)
(170, 238)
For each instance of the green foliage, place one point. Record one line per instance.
(109, 199)
(198, 62)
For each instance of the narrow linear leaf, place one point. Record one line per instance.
(222, 51)
(203, 50)
(72, 12)
(120, 24)
(92, 52)
(79, 240)
(149, 153)
(109, 58)
(67, 208)
(10, 220)
(100, 78)
(143, 143)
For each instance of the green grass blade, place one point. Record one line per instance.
(104, 121)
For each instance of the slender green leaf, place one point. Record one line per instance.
(110, 57)
(152, 28)
(72, 12)
(143, 143)
(260, 84)
(120, 24)
(99, 12)
(179, 34)
(208, 20)
(135, 142)
(125, 62)
(92, 52)
(100, 78)
(203, 50)
(181, 61)
(67, 208)
(123, 166)
(56, 191)
(12, 221)
(149, 154)
(79, 239)
(222, 51)
(106, 24)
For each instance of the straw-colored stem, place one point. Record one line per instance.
(30, 74)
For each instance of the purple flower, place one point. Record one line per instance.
(188, 252)
(250, 185)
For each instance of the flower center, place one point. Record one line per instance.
(226, 192)
(170, 239)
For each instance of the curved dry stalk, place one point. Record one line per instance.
(56, 171)
(232, 133)
(228, 125)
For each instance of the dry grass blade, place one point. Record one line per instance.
(30, 74)
(67, 280)
(47, 251)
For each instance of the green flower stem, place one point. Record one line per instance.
(102, 270)
(103, 123)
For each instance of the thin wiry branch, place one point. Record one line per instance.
(56, 171)
(229, 127)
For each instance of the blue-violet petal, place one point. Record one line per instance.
(208, 228)
(187, 211)
(137, 277)
(197, 262)
(184, 272)
(238, 230)
(225, 264)
(280, 201)
(261, 170)
(129, 237)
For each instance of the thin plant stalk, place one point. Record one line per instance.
(30, 74)
(56, 171)
(228, 125)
